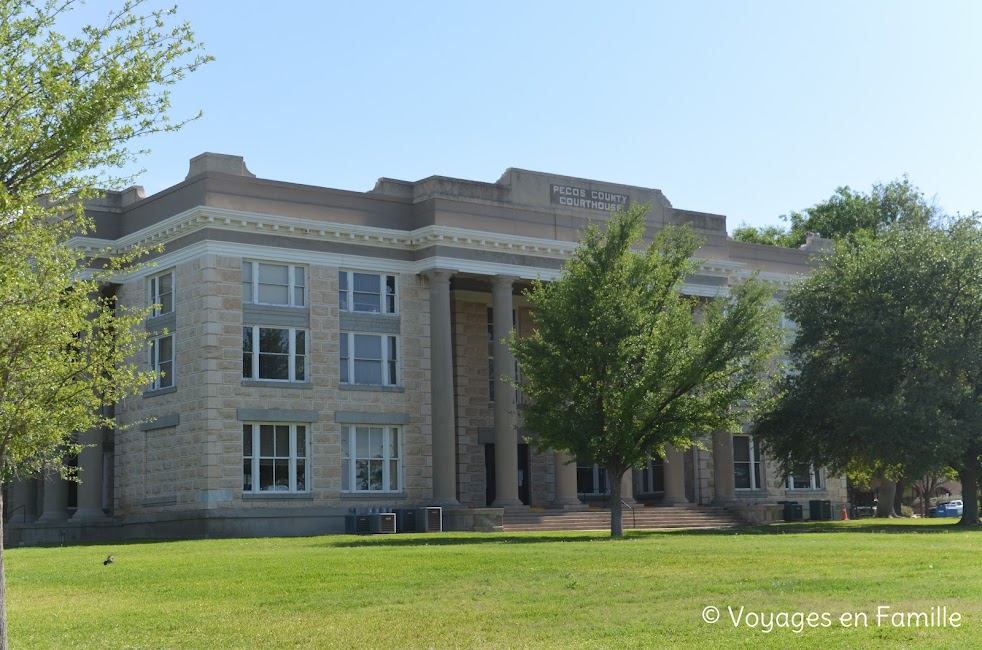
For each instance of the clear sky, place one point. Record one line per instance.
(747, 109)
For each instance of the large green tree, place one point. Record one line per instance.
(70, 109)
(888, 359)
(847, 212)
(621, 363)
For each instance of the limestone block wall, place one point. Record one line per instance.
(197, 464)
(166, 466)
(472, 405)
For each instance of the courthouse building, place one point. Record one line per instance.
(325, 351)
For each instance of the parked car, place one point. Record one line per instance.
(949, 509)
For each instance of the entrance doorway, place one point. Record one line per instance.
(524, 475)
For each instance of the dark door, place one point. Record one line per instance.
(489, 473)
(524, 477)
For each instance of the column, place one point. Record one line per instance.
(565, 481)
(725, 486)
(674, 477)
(55, 500)
(627, 488)
(505, 415)
(90, 477)
(23, 503)
(442, 393)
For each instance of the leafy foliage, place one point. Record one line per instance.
(70, 108)
(888, 357)
(621, 363)
(845, 213)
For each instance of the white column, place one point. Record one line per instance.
(565, 481)
(442, 393)
(90, 474)
(674, 477)
(505, 410)
(723, 480)
(55, 499)
(627, 488)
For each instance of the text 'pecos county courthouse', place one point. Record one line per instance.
(325, 351)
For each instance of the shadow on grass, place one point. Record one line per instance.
(452, 539)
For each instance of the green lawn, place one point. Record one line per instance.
(503, 590)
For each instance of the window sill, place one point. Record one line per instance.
(372, 387)
(276, 496)
(365, 496)
(273, 383)
(160, 391)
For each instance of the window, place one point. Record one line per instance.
(367, 292)
(490, 354)
(369, 359)
(274, 353)
(746, 464)
(805, 479)
(274, 458)
(592, 480)
(273, 284)
(161, 361)
(161, 294)
(370, 459)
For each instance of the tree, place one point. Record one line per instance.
(620, 363)
(70, 108)
(888, 360)
(847, 212)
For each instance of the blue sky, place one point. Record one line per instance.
(748, 109)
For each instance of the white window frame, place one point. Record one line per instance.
(600, 480)
(251, 373)
(163, 378)
(298, 455)
(155, 293)
(388, 293)
(755, 463)
(815, 481)
(350, 460)
(389, 365)
(296, 283)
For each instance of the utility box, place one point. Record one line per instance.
(371, 524)
(820, 510)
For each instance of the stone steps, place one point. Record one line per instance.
(597, 519)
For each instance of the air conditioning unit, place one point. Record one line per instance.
(371, 524)
(429, 520)
(406, 520)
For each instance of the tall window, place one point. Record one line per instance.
(371, 459)
(367, 292)
(274, 353)
(490, 354)
(274, 458)
(592, 480)
(264, 283)
(369, 359)
(161, 352)
(161, 288)
(805, 479)
(746, 464)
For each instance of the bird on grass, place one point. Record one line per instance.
(109, 560)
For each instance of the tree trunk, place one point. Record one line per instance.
(616, 511)
(898, 497)
(884, 505)
(970, 487)
(3, 584)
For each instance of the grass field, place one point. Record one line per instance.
(508, 590)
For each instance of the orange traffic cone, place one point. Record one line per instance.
(845, 513)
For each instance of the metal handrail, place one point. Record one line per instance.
(634, 515)
(16, 509)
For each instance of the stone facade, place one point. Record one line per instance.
(453, 257)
